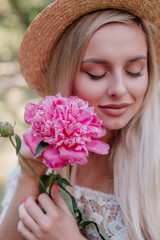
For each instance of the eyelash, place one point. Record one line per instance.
(95, 77)
(138, 74)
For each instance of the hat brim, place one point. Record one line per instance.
(42, 35)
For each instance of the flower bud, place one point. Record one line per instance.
(6, 129)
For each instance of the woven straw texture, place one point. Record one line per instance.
(43, 33)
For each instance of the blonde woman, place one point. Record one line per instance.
(107, 53)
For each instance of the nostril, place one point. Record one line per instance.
(117, 90)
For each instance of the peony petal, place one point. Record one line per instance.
(68, 125)
(30, 111)
(103, 132)
(85, 117)
(73, 156)
(51, 158)
(98, 146)
(31, 140)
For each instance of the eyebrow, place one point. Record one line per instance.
(95, 60)
(138, 58)
(101, 61)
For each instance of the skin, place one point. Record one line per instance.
(40, 218)
(29, 211)
(114, 71)
(119, 62)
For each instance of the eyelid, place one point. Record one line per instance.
(136, 74)
(94, 76)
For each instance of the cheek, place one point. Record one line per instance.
(142, 92)
(87, 90)
(138, 90)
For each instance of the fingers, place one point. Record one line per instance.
(47, 204)
(27, 219)
(37, 219)
(59, 201)
(31, 214)
(37, 164)
(54, 206)
(25, 232)
(47, 219)
(27, 225)
(26, 152)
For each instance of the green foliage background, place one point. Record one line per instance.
(15, 17)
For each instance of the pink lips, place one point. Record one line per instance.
(115, 109)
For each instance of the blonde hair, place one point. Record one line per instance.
(135, 152)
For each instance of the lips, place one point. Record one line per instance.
(115, 109)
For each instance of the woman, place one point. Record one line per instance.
(108, 58)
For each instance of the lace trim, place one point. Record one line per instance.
(103, 209)
(92, 193)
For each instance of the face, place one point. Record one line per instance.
(113, 76)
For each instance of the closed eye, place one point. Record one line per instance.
(94, 76)
(137, 74)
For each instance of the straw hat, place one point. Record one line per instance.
(45, 30)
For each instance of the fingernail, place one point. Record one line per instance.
(56, 187)
(24, 202)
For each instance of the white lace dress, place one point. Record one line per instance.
(96, 206)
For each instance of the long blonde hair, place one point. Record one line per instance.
(135, 152)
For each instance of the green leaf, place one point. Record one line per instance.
(67, 197)
(64, 181)
(51, 182)
(45, 179)
(74, 203)
(40, 148)
(18, 143)
(78, 216)
(99, 229)
(54, 177)
(73, 200)
(59, 180)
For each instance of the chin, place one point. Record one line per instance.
(114, 125)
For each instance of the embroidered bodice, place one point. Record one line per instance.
(103, 209)
(96, 206)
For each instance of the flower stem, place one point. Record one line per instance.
(68, 172)
(40, 181)
(50, 183)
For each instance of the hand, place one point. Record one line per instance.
(48, 220)
(35, 163)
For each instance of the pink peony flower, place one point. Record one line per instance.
(69, 126)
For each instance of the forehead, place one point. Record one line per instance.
(117, 38)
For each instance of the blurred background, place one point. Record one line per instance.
(15, 17)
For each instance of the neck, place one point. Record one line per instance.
(96, 174)
(109, 137)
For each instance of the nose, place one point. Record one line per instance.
(117, 85)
